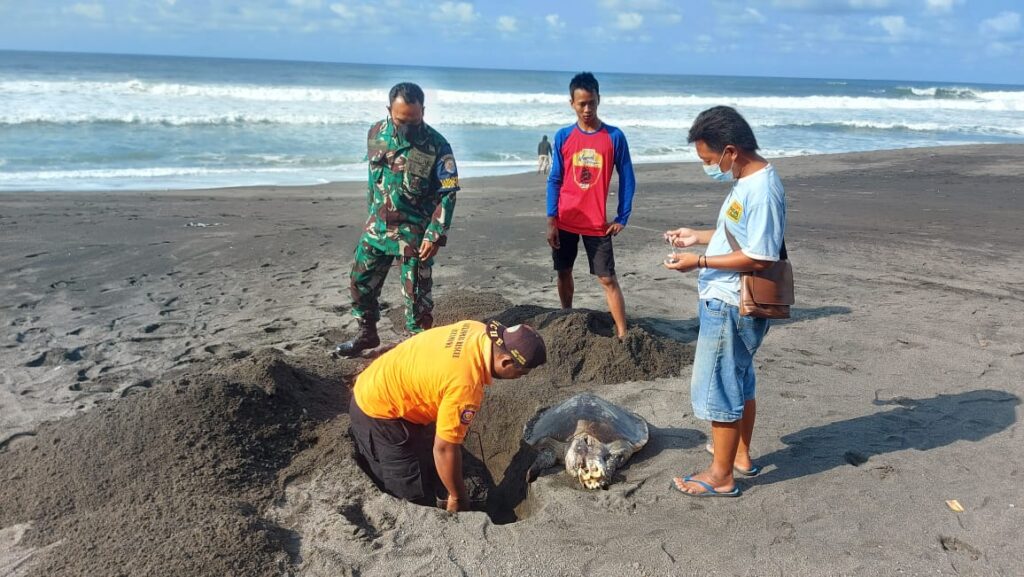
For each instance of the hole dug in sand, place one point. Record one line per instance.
(583, 354)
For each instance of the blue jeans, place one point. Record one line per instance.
(723, 364)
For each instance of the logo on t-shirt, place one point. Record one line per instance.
(586, 165)
(735, 211)
(466, 414)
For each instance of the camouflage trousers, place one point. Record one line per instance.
(367, 279)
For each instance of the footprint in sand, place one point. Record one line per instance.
(883, 472)
(954, 545)
(365, 527)
(13, 439)
(136, 387)
(57, 357)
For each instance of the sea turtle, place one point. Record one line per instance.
(592, 436)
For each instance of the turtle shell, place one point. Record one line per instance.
(609, 422)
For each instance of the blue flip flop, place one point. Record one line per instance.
(751, 472)
(709, 491)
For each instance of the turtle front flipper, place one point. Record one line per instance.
(618, 453)
(547, 456)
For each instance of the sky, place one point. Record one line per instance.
(941, 40)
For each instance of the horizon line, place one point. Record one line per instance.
(499, 69)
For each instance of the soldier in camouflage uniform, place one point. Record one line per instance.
(411, 197)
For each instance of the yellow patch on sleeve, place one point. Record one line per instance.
(735, 211)
(449, 182)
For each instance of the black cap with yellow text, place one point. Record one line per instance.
(522, 342)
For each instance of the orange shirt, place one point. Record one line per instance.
(437, 375)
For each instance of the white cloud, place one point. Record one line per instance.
(343, 11)
(457, 12)
(629, 21)
(833, 6)
(362, 14)
(637, 5)
(1004, 24)
(554, 21)
(91, 11)
(869, 4)
(753, 15)
(302, 4)
(940, 6)
(896, 26)
(703, 43)
(999, 49)
(631, 14)
(508, 24)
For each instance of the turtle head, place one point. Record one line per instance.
(586, 460)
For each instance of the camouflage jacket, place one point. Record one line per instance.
(411, 188)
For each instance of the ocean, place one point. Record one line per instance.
(110, 122)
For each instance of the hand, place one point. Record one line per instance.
(553, 235)
(613, 229)
(455, 505)
(681, 261)
(681, 237)
(427, 249)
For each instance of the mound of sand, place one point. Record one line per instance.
(582, 347)
(172, 480)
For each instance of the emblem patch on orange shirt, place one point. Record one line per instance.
(735, 211)
(467, 414)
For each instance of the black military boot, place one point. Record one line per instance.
(365, 339)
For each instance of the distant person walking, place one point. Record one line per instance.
(543, 155)
(577, 196)
(411, 198)
(754, 214)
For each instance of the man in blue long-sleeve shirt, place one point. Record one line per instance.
(577, 196)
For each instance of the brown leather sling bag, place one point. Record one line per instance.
(766, 294)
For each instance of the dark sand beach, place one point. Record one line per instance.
(169, 404)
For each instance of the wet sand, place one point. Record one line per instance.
(168, 402)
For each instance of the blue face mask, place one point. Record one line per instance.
(715, 170)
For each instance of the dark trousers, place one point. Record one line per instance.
(400, 455)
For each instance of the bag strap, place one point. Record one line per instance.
(783, 255)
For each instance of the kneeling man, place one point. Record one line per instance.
(411, 408)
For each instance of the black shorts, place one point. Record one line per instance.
(400, 455)
(600, 255)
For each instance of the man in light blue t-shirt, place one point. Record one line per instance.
(722, 388)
